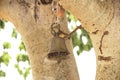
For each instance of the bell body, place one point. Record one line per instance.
(58, 48)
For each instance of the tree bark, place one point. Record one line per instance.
(101, 18)
(33, 20)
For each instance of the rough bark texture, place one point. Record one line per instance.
(101, 18)
(33, 20)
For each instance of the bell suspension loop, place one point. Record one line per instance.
(55, 29)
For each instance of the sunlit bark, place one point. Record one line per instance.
(101, 18)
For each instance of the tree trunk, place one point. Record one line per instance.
(33, 20)
(101, 18)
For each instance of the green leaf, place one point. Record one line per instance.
(78, 41)
(18, 69)
(14, 33)
(21, 72)
(70, 17)
(6, 45)
(2, 74)
(5, 58)
(22, 57)
(1, 60)
(22, 46)
(2, 24)
(75, 40)
(87, 46)
(27, 72)
(81, 48)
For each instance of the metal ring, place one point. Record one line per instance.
(53, 30)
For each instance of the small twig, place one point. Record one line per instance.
(70, 34)
(65, 35)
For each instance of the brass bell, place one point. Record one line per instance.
(58, 48)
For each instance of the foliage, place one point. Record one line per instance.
(5, 58)
(22, 46)
(78, 41)
(2, 24)
(14, 33)
(22, 57)
(26, 71)
(70, 17)
(6, 45)
(2, 74)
